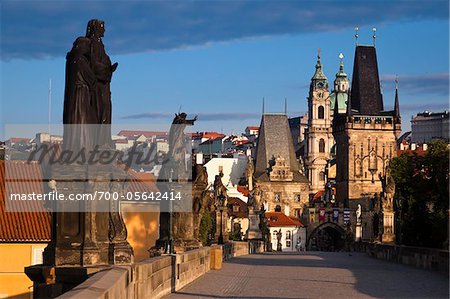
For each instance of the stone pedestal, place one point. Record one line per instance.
(254, 232)
(358, 232)
(224, 226)
(388, 227)
(87, 235)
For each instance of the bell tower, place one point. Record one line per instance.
(319, 138)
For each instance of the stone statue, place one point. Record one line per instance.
(256, 195)
(220, 190)
(279, 245)
(78, 106)
(103, 70)
(388, 184)
(358, 214)
(174, 170)
(249, 171)
(175, 167)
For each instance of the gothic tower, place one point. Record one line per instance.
(365, 134)
(318, 135)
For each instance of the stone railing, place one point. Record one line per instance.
(152, 278)
(424, 258)
(237, 248)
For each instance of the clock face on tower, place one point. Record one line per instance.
(320, 85)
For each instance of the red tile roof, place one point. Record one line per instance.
(121, 141)
(252, 128)
(243, 190)
(278, 219)
(23, 226)
(142, 182)
(19, 139)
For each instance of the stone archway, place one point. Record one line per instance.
(328, 236)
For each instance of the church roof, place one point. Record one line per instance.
(275, 139)
(366, 95)
(319, 75)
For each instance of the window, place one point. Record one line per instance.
(278, 208)
(297, 197)
(235, 208)
(321, 145)
(321, 176)
(288, 235)
(321, 112)
(278, 197)
(288, 243)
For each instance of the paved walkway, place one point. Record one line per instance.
(315, 275)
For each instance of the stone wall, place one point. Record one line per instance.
(152, 278)
(424, 258)
(237, 248)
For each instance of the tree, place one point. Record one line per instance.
(422, 192)
(205, 229)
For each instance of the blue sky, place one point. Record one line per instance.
(219, 59)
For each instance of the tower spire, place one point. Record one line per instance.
(374, 36)
(263, 105)
(396, 105)
(319, 75)
(356, 35)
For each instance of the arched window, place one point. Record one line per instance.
(321, 146)
(322, 176)
(321, 112)
(288, 235)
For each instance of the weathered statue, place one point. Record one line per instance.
(174, 171)
(249, 171)
(279, 245)
(358, 214)
(103, 70)
(78, 106)
(176, 167)
(388, 185)
(220, 190)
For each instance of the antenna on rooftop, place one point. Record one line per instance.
(374, 36)
(356, 35)
(179, 110)
(285, 106)
(50, 107)
(263, 106)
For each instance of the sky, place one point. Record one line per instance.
(219, 59)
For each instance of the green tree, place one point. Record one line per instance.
(423, 191)
(205, 229)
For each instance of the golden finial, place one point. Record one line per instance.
(356, 34)
(374, 36)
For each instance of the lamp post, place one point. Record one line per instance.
(221, 208)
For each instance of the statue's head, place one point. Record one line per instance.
(82, 45)
(95, 28)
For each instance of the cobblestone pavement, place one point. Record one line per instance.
(315, 275)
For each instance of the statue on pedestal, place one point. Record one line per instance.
(174, 176)
(86, 235)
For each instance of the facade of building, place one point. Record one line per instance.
(277, 173)
(233, 169)
(365, 136)
(291, 229)
(427, 126)
(23, 235)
